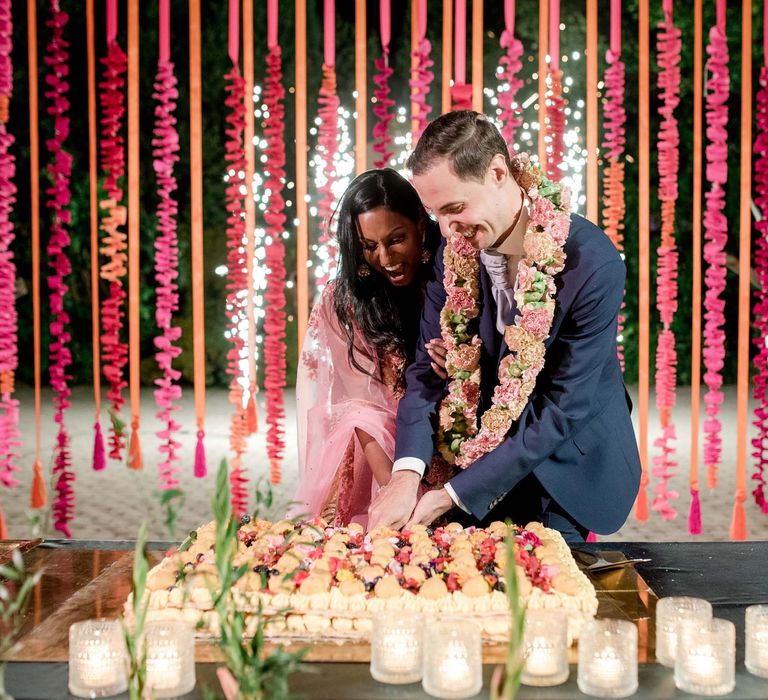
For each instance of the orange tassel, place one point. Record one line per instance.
(251, 417)
(134, 451)
(274, 471)
(739, 521)
(641, 505)
(39, 495)
(3, 529)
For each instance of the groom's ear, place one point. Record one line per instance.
(498, 169)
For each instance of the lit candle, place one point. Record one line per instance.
(170, 658)
(756, 651)
(608, 658)
(453, 660)
(706, 657)
(545, 648)
(454, 668)
(97, 657)
(541, 659)
(396, 647)
(670, 612)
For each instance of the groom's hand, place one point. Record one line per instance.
(395, 502)
(430, 507)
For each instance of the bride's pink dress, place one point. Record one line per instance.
(333, 398)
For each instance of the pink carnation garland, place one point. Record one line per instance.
(669, 45)
(58, 194)
(9, 406)
(760, 310)
(716, 236)
(274, 296)
(165, 150)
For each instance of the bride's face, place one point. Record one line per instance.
(392, 244)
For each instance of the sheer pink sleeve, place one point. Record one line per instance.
(333, 399)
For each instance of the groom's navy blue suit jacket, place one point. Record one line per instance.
(575, 434)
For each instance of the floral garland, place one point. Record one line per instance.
(459, 440)
(760, 308)
(422, 75)
(510, 66)
(328, 149)
(669, 45)
(60, 171)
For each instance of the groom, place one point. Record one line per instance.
(570, 461)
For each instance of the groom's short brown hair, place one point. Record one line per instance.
(468, 139)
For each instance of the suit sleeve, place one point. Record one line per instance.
(424, 388)
(564, 404)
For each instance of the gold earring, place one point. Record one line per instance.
(363, 270)
(425, 256)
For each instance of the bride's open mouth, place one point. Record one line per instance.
(395, 272)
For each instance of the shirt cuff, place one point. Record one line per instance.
(455, 498)
(413, 464)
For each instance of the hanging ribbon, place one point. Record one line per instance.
(461, 93)
(196, 230)
(165, 155)
(738, 529)
(556, 103)
(237, 271)
(716, 236)
(381, 136)
(58, 199)
(274, 215)
(760, 309)
(668, 60)
(615, 118)
(99, 456)
(509, 83)
(328, 141)
(9, 407)
(113, 242)
(422, 76)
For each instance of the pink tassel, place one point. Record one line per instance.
(420, 85)
(694, 515)
(382, 137)
(461, 96)
(592, 537)
(274, 296)
(99, 458)
(200, 467)
(511, 65)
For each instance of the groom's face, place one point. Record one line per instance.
(478, 210)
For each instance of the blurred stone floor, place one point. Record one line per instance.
(112, 503)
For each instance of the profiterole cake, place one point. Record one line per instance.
(331, 579)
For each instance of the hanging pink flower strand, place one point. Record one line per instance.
(328, 139)
(9, 406)
(615, 118)
(556, 103)
(511, 65)
(274, 296)
(715, 236)
(760, 309)
(669, 46)
(237, 271)
(165, 154)
(422, 76)
(58, 194)
(381, 135)
(113, 242)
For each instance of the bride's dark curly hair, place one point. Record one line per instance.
(386, 316)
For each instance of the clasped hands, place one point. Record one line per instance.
(397, 504)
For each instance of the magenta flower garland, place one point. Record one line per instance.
(328, 146)
(165, 154)
(9, 406)
(760, 309)
(715, 236)
(669, 45)
(237, 280)
(58, 198)
(422, 75)
(274, 316)
(510, 67)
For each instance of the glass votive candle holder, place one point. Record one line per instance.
(706, 657)
(608, 658)
(545, 648)
(453, 665)
(397, 649)
(756, 650)
(670, 612)
(97, 659)
(170, 658)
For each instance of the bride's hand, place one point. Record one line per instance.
(436, 350)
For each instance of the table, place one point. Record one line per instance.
(91, 579)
